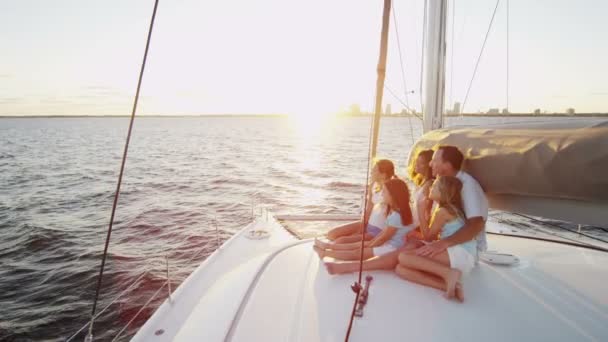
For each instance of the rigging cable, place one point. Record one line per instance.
(409, 118)
(122, 167)
(507, 107)
(563, 228)
(479, 57)
(381, 70)
(422, 55)
(413, 112)
(452, 55)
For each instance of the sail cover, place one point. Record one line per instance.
(555, 170)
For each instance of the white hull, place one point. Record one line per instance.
(276, 289)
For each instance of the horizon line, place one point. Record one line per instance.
(592, 114)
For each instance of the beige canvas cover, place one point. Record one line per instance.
(555, 170)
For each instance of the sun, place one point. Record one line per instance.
(308, 122)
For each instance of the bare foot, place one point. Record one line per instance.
(451, 281)
(459, 292)
(321, 244)
(319, 251)
(340, 267)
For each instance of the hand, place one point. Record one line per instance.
(433, 248)
(413, 235)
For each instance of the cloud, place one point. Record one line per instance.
(599, 93)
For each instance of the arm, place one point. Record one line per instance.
(472, 227)
(437, 222)
(468, 232)
(370, 204)
(423, 208)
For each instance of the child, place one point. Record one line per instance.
(445, 270)
(383, 171)
(398, 223)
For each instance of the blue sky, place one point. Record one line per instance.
(268, 56)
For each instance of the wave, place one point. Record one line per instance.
(344, 185)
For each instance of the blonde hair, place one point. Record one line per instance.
(418, 178)
(449, 195)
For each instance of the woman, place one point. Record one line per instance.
(422, 176)
(382, 171)
(398, 223)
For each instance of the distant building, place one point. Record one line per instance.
(570, 111)
(505, 111)
(388, 110)
(537, 111)
(456, 109)
(493, 111)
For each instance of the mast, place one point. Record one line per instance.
(434, 64)
(380, 79)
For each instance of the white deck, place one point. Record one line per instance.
(277, 290)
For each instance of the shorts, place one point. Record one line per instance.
(373, 230)
(384, 249)
(461, 259)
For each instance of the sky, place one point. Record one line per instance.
(295, 57)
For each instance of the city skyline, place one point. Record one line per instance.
(71, 58)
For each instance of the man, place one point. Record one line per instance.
(446, 161)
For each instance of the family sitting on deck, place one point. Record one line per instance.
(434, 243)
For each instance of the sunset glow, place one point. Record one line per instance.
(280, 57)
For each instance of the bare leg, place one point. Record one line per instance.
(438, 266)
(352, 238)
(354, 254)
(339, 246)
(421, 278)
(383, 262)
(344, 230)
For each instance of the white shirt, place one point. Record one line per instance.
(475, 204)
(419, 195)
(377, 217)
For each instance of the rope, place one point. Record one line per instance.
(452, 55)
(563, 228)
(422, 56)
(122, 167)
(413, 112)
(357, 286)
(140, 310)
(381, 65)
(479, 57)
(400, 55)
(409, 118)
(127, 290)
(507, 107)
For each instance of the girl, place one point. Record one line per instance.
(398, 223)
(445, 270)
(382, 171)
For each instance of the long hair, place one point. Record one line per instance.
(401, 199)
(450, 198)
(419, 178)
(386, 167)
